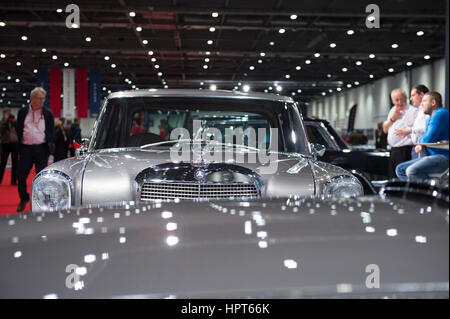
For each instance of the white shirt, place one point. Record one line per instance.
(409, 114)
(418, 129)
(34, 127)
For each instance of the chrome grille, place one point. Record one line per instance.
(192, 190)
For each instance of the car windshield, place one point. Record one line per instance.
(144, 121)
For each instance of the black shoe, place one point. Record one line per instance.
(21, 206)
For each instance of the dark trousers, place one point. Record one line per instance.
(29, 155)
(398, 155)
(9, 148)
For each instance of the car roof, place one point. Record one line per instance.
(200, 94)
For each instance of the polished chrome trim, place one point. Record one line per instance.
(199, 94)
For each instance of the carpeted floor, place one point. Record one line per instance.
(9, 196)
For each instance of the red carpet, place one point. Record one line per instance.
(9, 196)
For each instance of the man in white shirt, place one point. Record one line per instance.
(418, 128)
(401, 114)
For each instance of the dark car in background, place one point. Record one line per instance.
(372, 164)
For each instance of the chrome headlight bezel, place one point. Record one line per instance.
(59, 179)
(344, 186)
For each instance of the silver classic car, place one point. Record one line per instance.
(171, 145)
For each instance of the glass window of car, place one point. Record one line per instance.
(318, 134)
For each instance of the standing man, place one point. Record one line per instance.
(8, 139)
(35, 130)
(418, 128)
(437, 129)
(401, 114)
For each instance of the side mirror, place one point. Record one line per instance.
(318, 149)
(82, 148)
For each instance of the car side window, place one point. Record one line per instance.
(318, 136)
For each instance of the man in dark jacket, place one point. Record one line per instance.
(35, 131)
(8, 139)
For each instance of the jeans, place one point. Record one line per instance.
(421, 168)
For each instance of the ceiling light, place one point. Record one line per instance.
(427, 57)
(24, 38)
(293, 16)
(239, 83)
(132, 14)
(113, 65)
(350, 32)
(349, 85)
(35, 71)
(210, 42)
(212, 29)
(271, 43)
(17, 80)
(208, 53)
(138, 29)
(55, 57)
(328, 75)
(356, 83)
(145, 42)
(372, 56)
(279, 88)
(420, 33)
(215, 14)
(287, 76)
(299, 91)
(59, 10)
(66, 64)
(332, 45)
(330, 90)
(213, 87)
(201, 83)
(266, 91)
(409, 63)
(262, 54)
(109, 91)
(391, 70)
(246, 88)
(150, 52)
(153, 59)
(323, 93)
(260, 61)
(2, 24)
(44, 50)
(252, 67)
(156, 66)
(317, 55)
(358, 63)
(2, 56)
(394, 46)
(282, 30)
(339, 89)
(308, 61)
(205, 66)
(9, 77)
(106, 58)
(371, 76)
(293, 93)
(160, 74)
(88, 39)
(75, 26)
(206, 60)
(298, 67)
(18, 63)
(344, 69)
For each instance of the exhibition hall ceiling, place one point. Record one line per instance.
(305, 49)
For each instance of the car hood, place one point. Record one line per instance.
(282, 248)
(110, 176)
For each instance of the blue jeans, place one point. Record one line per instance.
(421, 168)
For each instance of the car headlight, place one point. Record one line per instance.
(51, 191)
(343, 187)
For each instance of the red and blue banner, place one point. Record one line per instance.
(95, 92)
(42, 81)
(82, 93)
(55, 91)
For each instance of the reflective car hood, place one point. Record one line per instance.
(110, 176)
(271, 249)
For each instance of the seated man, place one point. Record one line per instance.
(436, 129)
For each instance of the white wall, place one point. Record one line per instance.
(373, 99)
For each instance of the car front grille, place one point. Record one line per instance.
(192, 190)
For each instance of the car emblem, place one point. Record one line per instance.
(200, 174)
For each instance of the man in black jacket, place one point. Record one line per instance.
(35, 130)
